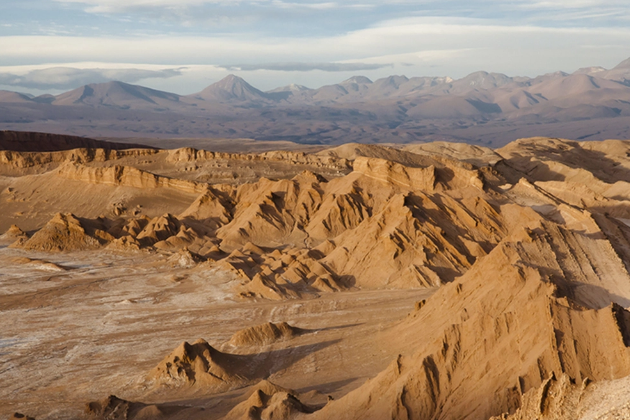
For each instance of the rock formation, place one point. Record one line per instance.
(20, 416)
(14, 235)
(202, 366)
(44, 142)
(269, 401)
(532, 314)
(527, 250)
(114, 408)
(261, 335)
(66, 233)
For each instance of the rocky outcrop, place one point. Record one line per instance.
(126, 176)
(65, 232)
(200, 365)
(114, 408)
(20, 416)
(25, 160)
(23, 141)
(188, 154)
(264, 334)
(527, 315)
(14, 235)
(269, 401)
(391, 172)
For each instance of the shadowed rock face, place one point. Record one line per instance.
(64, 233)
(264, 334)
(527, 248)
(501, 336)
(114, 408)
(199, 364)
(19, 141)
(20, 416)
(269, 401)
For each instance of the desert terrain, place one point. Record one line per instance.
(411, 281)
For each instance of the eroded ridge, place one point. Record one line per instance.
(518, 257)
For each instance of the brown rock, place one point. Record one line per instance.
(264, 334)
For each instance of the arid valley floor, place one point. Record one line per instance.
(419, 281)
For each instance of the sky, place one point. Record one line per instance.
(182, 46)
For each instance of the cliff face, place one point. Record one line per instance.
(127, 177)
(21, 141)
(188, 154)
(486, 339)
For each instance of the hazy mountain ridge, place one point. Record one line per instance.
(481, 107)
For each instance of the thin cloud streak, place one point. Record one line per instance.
(428, 46)
(514, 11)
(304, 67)
(395, 37)
(68, 78)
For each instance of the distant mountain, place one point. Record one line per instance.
(483, 107)
(359, 80)
(231, 88)
(356, 84)
(544, 78)
(576, 85)
(13, 97)
(119, 95)
(286, 92)
(623, 65)
(388, 85)
(290, 88)
(484, 81)
(590, 70)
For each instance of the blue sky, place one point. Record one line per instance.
(185, 45)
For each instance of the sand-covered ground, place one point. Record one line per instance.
(94, 324)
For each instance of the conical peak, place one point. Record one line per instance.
(361, 80)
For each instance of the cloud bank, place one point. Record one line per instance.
(70, 78)
(309, 42)
(364, 10)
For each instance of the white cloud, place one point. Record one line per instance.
(302, 67)
(391, 37)
(120, 6)
(397, 37)
(573, 4)
(56, 78)
(448, 7)
(319, 6)
(442, 46)
(113, 6)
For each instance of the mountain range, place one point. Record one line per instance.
(487, 108)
